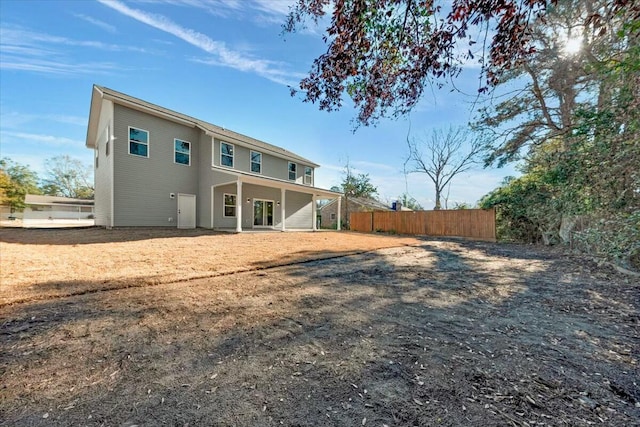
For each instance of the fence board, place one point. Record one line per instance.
(473, 223)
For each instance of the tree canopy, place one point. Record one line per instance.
(68, 177)
(581, 180)
(16, 181)
(355, 185)
(382, 53)
(563, 77)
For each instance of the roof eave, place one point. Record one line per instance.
(223, 133)
(94, 116)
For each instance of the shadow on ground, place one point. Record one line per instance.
(92, 235)
(448, 333)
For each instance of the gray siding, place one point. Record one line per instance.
(103, 173)
(272, 166)
(220, 221)
(251, 192)
(298, 211)
(142, 186)
(205, 179)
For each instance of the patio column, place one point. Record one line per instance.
(282, 209)
(339, 216)
(239, 203)
(314, 214)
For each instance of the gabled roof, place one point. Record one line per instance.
(371, 204)
(101, 92)
(36, 199)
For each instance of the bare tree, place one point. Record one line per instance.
(443, 156)
(68, 177)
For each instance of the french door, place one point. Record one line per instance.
(262, 213)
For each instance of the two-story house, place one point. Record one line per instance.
(157, 167)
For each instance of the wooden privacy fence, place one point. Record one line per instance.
(474, 223)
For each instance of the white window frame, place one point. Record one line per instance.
(224, 205)
(251, 162)
(129, 142)
(295, 171)
(310, 175)
(176, 151)
(233, 150)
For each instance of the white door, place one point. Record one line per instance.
(186, 210)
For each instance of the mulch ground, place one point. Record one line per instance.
(415, 332)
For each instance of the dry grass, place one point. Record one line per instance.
(39, 264)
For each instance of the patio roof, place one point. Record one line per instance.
(249, 178)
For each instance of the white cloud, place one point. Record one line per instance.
(361, 164)
(22, 49)
(98, 23)
(16, 37)
(51, 140)
(15, 120)
(53, 67)
(222, 55)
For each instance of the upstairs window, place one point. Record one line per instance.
(292, 171)
(182, 152)
(138, 142)
(308, 175)
(226, 154)
(256, 162)
(230, 205)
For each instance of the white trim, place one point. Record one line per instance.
(112, 162)
(239, 206)
(314, 213)
(241, 140)
(269, 181)
(310, 176)
(213, 193)
(253, 213)
(233, 155)
(175, 151)
(100, 93)
(283, 211)
(142, 143)
(146, 108)
(295, 171)
(224, 205)
(251, 162)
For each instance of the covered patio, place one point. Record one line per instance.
(243, 202)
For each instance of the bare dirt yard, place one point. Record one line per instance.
(165, 327)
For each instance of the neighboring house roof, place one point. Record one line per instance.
(101, 92)
(362, 201)
(35, 199)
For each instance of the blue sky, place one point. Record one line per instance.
(223, 61)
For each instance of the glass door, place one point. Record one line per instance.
(262, 213)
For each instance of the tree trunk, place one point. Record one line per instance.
(438, 205)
